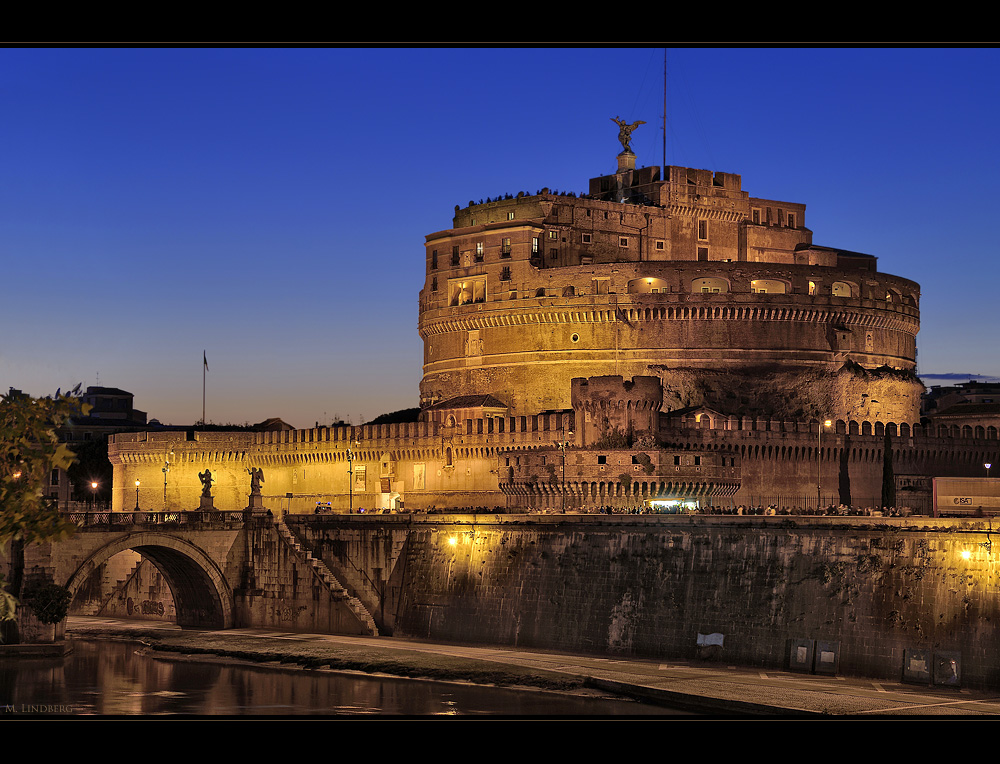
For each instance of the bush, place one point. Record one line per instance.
(49, 603)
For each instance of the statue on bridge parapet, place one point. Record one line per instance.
(256, 478)
(206, 489)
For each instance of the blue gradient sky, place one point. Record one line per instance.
(269, 206)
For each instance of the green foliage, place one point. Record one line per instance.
(8, 605)
(646, 462)
(613, 439)
(403, 415)
(625, 479)
(29, 451)
(49, 602)
(888, 474)
(91, 463)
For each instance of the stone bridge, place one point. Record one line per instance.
(223, 569)
(883, 594)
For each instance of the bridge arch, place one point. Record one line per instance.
(202, 596)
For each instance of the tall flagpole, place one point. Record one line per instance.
(204, 370)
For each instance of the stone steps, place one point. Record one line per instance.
(337, 590)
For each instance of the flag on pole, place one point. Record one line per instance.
(205, 359)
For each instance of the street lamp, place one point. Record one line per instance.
(562, 447)
(165, 470)
(93, 494)
(350, 476)
(137, 495)
(987, 466)
(819, 461)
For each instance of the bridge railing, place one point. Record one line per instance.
(117, 519)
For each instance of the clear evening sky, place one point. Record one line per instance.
(269, 206)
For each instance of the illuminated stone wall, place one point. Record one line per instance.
(648, 586)
(523, 295)
(775, 462)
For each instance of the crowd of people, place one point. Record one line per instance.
(733, 509)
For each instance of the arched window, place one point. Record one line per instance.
(709, 286)
(768, 286)
(647, 285)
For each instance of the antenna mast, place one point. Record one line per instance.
(664, 177)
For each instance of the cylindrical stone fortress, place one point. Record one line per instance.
(721, 295)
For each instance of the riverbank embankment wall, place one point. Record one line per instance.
(648, 585)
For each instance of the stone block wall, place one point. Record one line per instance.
(647, 586)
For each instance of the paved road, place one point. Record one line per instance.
(714, 689)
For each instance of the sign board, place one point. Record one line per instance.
(966, 496)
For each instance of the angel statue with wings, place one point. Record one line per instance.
(625, 131)
(206, 483)
(256, 478)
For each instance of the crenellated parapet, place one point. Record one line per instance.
(598, 477)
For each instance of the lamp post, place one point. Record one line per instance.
(987, 466)
(350, 476)
(562, 447)
(165, 470)
(93, 494)
(819, 461)
(136, 495)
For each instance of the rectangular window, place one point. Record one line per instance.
(434, 260)
(553, 254)
(553, 235)
(703, 253)
(791, 220)
(677, 461)
(464, 291)
(660, 246)
(702, 229)
(623, 241)
(505, 273)
(434, 284)
(602, 460)
(505, 248)
(586, 238)
(480, 252)
(534, 245)
(510, 215)
(756, 216)
(454, 255)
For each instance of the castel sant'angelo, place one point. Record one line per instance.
(665, 335)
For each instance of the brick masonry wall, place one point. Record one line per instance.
(649, 585)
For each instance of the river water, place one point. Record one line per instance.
(120, 679)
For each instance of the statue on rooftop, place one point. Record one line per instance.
(625, 132)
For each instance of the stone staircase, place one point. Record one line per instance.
(337, 590)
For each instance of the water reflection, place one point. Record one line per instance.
(114, 678)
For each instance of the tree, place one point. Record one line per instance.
(29, 451)
(91, 465)
(888, 474)
(845, 472)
